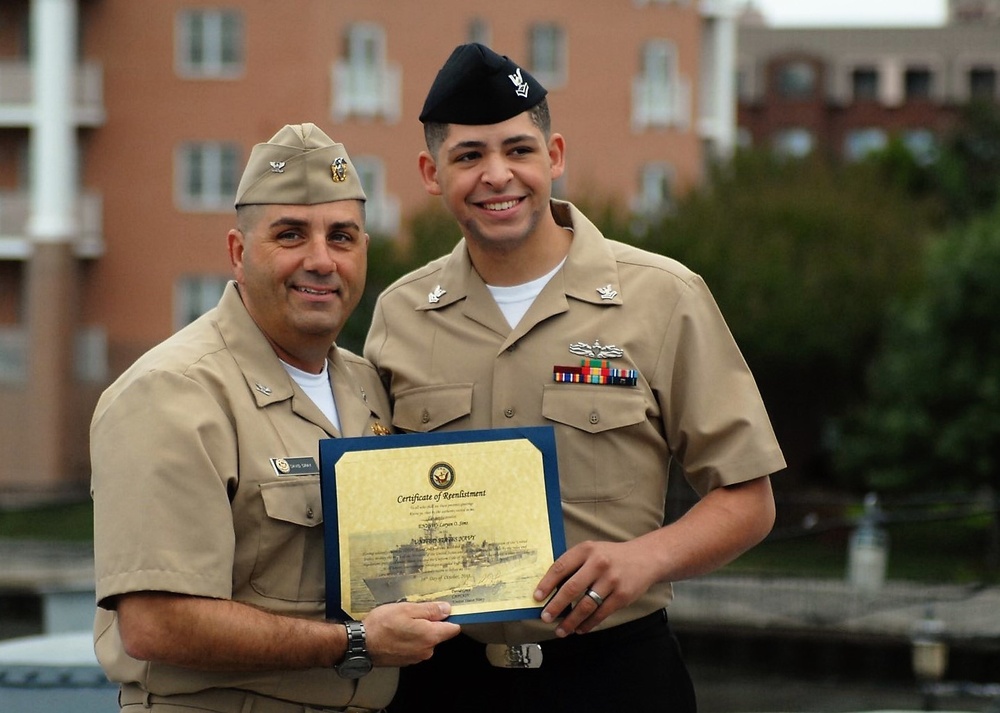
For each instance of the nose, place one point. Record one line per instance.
(319, 258)
(496, 172)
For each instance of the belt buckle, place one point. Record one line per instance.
(514, 655)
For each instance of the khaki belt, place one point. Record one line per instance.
(530, 655)
(228, 700)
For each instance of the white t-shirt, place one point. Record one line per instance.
(318, 388)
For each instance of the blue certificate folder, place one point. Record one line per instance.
(401, 564)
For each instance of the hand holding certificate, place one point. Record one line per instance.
(468, 517)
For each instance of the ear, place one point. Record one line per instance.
(557, 155)
(428, 173)
(235, 242)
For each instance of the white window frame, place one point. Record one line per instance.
(364, 83)
(381, 209)
(661, 97)
(222, 36)
(655, 195)
(219, 174)
(548, 53)
(196, 294)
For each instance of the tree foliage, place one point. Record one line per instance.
(801, 255)
(932, 421)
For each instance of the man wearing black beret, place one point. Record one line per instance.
(498, 334)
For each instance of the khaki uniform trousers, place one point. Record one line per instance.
(133, 699)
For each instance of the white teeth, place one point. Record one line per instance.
(314, 292)
(500, 206)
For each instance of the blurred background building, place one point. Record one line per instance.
(849, 91)
(124, 127)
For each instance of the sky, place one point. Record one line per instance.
(853, 13)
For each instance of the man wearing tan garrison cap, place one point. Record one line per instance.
(208, 520)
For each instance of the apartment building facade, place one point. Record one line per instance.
(124, 125)
(848, 91)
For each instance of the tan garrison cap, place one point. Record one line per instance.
(300, 165)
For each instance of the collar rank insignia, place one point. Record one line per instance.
(379, 430)
(596, 350)
(607, 293)
(520, 86)
(266, 390)
(435, 296)
(277, 166)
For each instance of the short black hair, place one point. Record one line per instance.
(436, 132)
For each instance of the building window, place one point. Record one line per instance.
(922, 145)
(479, 31)
(381, 209)
(660, 97)
(917, 83)
(793, 141)
(864, 84)
(208, 174)
(194, 295)
(797, 80)
(548, 55)
(655, 196)
(90, 357)
(983, 83)
(365, 84)
(210, 43)
(861, 142)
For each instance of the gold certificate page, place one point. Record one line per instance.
(462, 522)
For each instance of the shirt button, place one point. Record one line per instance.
(508, 412)
(594, 417)
(309, 514)
(425, 417)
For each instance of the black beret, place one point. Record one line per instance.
(478, 86)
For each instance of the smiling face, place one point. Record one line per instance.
(301, 271)
(496, 179)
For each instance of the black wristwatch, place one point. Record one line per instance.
(356, 661)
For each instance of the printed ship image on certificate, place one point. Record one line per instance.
(450, 562)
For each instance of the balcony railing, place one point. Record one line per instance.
(15, 243)
(17, 93)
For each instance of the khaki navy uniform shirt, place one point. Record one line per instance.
(451, 362)
(190, 498)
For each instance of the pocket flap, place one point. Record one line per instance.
(297, 501)
(593, 408)
(429, 407)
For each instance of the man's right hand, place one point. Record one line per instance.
(406, 633)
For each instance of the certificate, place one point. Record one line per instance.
(469, 517)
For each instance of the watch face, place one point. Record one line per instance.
(355, 666)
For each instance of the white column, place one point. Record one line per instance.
(53, 130)
(719, 75)
(50, 283)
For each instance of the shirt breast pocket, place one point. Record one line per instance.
(290, 557)
(598, 438)
(428, 408)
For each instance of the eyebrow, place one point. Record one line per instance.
(300, 223)
(471, 144)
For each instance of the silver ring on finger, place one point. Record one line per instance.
(594, 596)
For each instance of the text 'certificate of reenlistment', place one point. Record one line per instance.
(469, 517)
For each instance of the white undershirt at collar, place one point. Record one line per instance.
(515, 300)
(318, 388)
